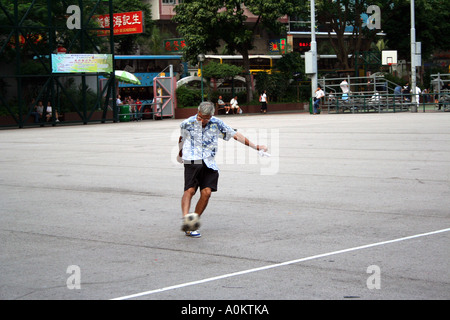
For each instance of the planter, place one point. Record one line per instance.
(8, 120)
(183, 113)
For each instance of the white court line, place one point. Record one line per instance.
(271, 266)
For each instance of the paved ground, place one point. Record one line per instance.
(348, 206)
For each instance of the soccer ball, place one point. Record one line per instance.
(191, 222)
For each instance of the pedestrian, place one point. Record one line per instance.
(263, 100)
(417, 92)
(118, 101)
(318, 95)
(198, 146)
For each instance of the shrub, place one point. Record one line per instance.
(187, 97)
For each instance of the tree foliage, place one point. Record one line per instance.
(340, 16)
(221, 70)
(432, 22)
(37, 17)
(205, 23)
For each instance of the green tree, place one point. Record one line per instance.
(340, 16)
(278, 84)
(432, 19)
(205, 23)
(221, 70)
(215, 70)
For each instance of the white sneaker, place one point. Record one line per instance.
(193, 234)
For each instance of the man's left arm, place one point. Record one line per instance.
(244, 140)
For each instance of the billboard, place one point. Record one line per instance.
(124, 23)
(81, 62)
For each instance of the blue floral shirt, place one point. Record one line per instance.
(201, 143)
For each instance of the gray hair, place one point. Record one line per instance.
(206, 108)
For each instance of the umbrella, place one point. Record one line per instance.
(125, 76)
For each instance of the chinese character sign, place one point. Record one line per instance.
(174, 45)
(124, 23)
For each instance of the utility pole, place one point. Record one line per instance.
(313, 49)
(413, 60)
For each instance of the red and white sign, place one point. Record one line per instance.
(124, 23)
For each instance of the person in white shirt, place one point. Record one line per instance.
(198, 145)
(344, 86)
(319, 95)
(49, 113)
(263, 100)
(417, 93)
(234, 105)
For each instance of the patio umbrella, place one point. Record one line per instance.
(125, 76)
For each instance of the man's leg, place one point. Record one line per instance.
(205, 194)
(186, 200)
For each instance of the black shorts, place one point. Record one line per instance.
(199, 175)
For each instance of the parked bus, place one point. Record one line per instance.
(258, 63)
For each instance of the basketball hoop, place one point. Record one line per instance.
(389, 58)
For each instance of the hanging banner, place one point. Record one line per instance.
(124, 23)
(80, 62)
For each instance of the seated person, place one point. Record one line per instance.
(234, 105)
(223, 105)
(39, 109)
(49, 113)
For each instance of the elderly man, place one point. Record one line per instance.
(198, 146)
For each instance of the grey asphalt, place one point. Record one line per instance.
(99, 206)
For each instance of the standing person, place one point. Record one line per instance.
(263, 100)
(138, 109)
(198, 146)
(397, 91)
(417, 92)
(319, 95)
(118, 101)
(405, 91)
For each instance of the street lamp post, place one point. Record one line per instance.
(201, 58)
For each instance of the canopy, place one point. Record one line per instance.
(125, 76)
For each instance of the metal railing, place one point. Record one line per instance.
(376, 102)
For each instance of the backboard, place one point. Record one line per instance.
(389, 57)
